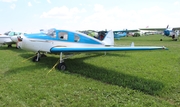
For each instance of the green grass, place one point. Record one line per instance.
(134, 78)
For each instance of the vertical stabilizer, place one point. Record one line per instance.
(109, 39)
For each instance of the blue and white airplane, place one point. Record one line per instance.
(65, 41)
(172, 32)
(166, 32)
(119, 34)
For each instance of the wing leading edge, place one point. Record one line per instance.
(92, 49)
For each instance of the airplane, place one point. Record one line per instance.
(101, 34)
(6, 38)
(66, 41)
(167, 32)
(172, 32)
(118, 34)
(92, 33)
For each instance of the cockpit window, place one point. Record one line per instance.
(50, 32)
(76, 38)
(11, 34)
(63, 35)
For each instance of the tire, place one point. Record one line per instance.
(61, 66)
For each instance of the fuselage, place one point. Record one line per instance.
(57, 38)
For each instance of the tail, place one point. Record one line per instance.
(109, 39)
(167, 27)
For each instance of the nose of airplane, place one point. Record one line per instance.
(18, 39)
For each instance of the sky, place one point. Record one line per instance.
(30, 16)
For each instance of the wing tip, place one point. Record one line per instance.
(165, 48)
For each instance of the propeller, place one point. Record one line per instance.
(19, 38)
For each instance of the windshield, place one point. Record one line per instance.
(49, 32)
(9, 33)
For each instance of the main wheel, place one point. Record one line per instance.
(35, 59)
(61, 66)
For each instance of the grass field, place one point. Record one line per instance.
(132, 79)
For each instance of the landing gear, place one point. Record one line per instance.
(37, 57)
(61, 66)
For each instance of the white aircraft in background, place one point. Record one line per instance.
(6, 38)
(64, 41)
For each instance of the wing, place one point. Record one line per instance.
(5, 40)
(93, 49)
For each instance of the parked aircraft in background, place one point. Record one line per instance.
(172, 32)
(169, 32)
(96, 34)
(120, 33)
(101, 34)
(6, 38)
(91, 33)
(65, 41)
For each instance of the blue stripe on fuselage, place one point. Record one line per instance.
(71, 35)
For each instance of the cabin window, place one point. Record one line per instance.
(63, 35)
(76, 38)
